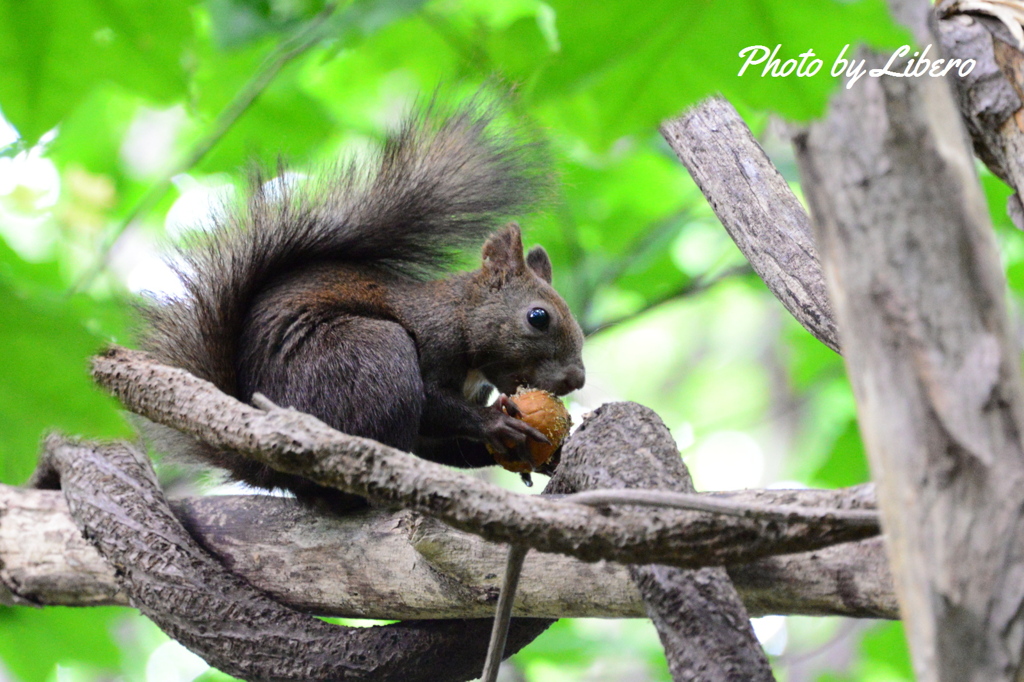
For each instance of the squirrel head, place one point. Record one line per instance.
(520, 331)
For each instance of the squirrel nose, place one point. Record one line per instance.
(574, 379)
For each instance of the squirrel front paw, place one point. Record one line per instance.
(506, 434)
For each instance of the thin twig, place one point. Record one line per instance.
(513, 569)
(641, 245)
(473, 56)
(694, 286)
(849, 627)
(701, 502)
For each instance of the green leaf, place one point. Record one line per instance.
(884, 658)
(626, 67)
(53, 54)
(370, 16)
(572, 647)
(46, 341)
(886, 646)
(283, 124)
(847, 462)
(37, 640)
(389, 68)
(285, 121)
(90, 145)
(997, 193)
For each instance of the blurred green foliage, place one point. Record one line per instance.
(36, 639)
(113, 98)
(46, 339)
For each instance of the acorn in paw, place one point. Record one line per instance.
(546, 413)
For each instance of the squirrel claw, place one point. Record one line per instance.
(510, 408)
(507, 424)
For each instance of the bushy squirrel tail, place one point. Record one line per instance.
(438, 184)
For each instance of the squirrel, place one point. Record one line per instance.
(328, 299)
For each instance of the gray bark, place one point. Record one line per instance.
(771, 228)
(990, 96)
(332, 566)
(966, 621)
(756, 207)
(117, 504)
(919, 295)
(700, 619)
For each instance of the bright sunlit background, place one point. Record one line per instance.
(140, 127)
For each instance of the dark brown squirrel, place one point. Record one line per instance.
(327, 300)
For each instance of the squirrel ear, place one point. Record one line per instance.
(503, 252)
(539, 262)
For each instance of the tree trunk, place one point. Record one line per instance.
(918, 290)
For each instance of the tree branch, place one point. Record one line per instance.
(717, 505)
(116, 503)
(297, 443)
(703, 625)
(692, 287)
(990, 96)
(330, 566)
(756, 207)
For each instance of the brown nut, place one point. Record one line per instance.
(546, 413)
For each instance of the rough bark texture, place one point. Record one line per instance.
(703, 625)
(756, 207)
(44, 559)
(114, 498)
(855, 575)
(989, 97)
(299, 444)
(341, 566)
(117, 505)
(919, 295)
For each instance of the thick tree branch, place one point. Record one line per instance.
(116, 503)
(765, 218)
(756, 207)
(331, 566)
(990, 96)
(297, 443)
(700, 619)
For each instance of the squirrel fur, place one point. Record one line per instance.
(330, 300)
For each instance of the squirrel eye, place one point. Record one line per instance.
(538, 318)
